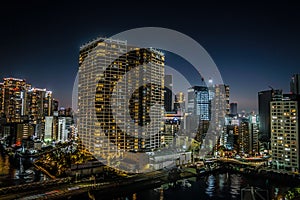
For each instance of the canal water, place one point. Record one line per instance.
(213, 186)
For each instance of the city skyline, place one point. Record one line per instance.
(254, 46)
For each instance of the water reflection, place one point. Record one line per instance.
(210, 185)
(11, 169)
(235, 185)
(216, 187)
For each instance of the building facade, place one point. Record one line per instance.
(285, 133)
(114, 78)
(264, 99)
(168, 96)
(199, 102)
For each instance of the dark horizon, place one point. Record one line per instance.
(254, 45)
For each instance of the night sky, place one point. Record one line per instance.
(255, 45)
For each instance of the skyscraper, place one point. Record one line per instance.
(114, 78)
(244, 136)
(285, 132)
(168, 101)
(199, 103)
(264, 99)
(253, 131)
(219, 106)
(35, 107)
(295, 84)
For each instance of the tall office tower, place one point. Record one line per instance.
(264, 99)
(48, 104)
(199, 103)
(233, 108)
(14, 99)
(168, 101)
(253, 132)
(51, 128)
(115, 78)
(285, 132)
(244, 136)
(295, 84)
(64, 128)
(199, 107)
(35, 99)
(179, 104)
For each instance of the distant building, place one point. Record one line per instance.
(231, 137)
(244, 136)
(64, 128)
(51, 128)
(253, 132)
(24, 131)
(173, 124)
(233, 108)
(285, 132)
(48, 104)
(22, 105)
(199, 103)
(219, 106)
(295, 84)
(264, 99)
(14, 99)
(35, 104)
(55, 105)
(168, 96)
(179, 104)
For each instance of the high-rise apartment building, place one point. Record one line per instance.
(35, 104)
(14, 99)
(285, 132)
(115, 78)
